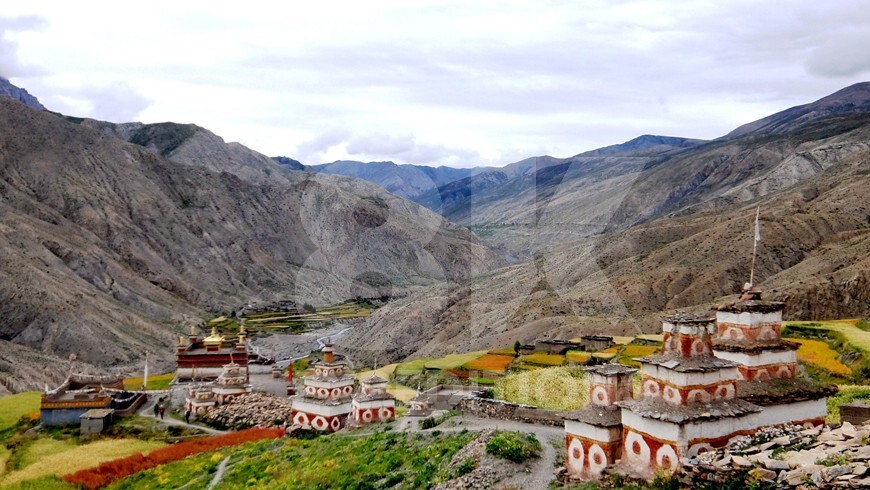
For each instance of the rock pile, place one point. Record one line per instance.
(251, 410)
(789, 457)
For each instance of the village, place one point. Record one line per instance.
(714, 382)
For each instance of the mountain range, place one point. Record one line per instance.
(116, 236)
(670, 227)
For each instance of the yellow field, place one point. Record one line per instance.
(854, 335)
(411, 367)
(79, 458)
(604, 356)
(562, 388)
(401, 392)
(155, 382)
(577, 356)
(639, 350)
(655, 337)
(13, 407)
(383, 371)
(820, 354)
(507, 351)
(543, 359)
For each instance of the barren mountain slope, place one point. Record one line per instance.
(107, 247)
(815, 253)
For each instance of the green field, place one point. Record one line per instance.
(155, 382)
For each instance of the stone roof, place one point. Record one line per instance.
(783, 390)
(659, 409)
(753, 346)
(374, 396)
(596, 415)
(373, 379)
(97, 413)
(610, 369)
(753, 305)
(682, 364)
(683, 318)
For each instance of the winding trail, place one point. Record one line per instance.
(219, 473)
(147, 410)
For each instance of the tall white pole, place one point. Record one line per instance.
(757, 239)
(145, 377)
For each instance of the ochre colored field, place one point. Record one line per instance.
(78, 458)
(493, 363)
(543, 359)
(819, 354)
(611, 350)
(639, 350)
(578, 356)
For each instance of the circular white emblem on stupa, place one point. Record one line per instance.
(666, 457)
(319, 423)
(597, 459)
(576, 456)
(637, 450)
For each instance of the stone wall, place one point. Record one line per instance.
(497, 409)
(856, 413)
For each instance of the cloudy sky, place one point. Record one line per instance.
(458, 83)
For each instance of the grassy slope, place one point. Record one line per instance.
(398, 460)
(155, 382)
(562, 388)
(13, 407)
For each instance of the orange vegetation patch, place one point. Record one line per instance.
(543, 359)
(116, 469)
(494, 363)
(820, 354)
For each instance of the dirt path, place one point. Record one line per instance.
(219, 473)
(147, 410)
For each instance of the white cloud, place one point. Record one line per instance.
(445, 81)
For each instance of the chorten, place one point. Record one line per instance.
(688, 401)
(325, 400)
(372, 403)
(748, 333)
(231, 383)
(593, 434)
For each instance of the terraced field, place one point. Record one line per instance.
(848, 328)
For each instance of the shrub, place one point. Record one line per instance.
(466, 466)
(514, 446)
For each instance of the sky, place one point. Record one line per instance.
(457, 83)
